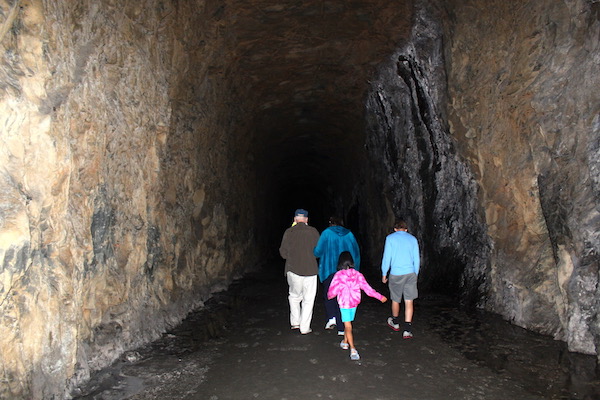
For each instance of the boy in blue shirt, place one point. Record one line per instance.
(401, 260)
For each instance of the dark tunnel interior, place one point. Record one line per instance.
(313, 165)
(307, 70)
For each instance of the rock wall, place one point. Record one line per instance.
(525, 110)
(118, 199)
(130, 132)
(516, 205)
(413, 161)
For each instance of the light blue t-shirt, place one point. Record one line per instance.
(400, 254)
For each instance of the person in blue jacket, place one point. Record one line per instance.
(333, 241)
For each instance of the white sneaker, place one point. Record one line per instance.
(407, 335)
(330, 324)
(354, 355)
(392, 325)
(340, 333)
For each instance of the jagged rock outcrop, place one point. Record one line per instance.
(414, 162)
(506, 192)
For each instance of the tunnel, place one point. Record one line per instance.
(154, 151)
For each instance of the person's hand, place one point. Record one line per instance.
(384, 279)
(383, 299)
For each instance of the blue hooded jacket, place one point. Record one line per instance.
(333, 241)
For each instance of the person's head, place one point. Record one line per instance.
(335, 220)
(345, 261)
(301, 215)
(400, 225)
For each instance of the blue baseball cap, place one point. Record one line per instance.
(301, 212)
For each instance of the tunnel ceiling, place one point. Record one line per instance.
(304, 67)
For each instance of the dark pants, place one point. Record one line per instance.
(331, 306)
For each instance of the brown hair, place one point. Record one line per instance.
(400, 224)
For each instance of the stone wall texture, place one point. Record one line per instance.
(118, 197)
(137, 137)
(521, 76)
(413, 161)
(495, 163)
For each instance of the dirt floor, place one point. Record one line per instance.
(240, 346)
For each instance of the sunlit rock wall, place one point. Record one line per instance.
(507, 191)
(118, 195)
(525, 108)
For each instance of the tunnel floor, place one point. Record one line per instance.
(240, 346)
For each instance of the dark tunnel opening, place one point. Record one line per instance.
(356, 127)
(305, 177)
(306, 81)
(394, 158)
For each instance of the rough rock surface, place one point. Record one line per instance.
(414, 163)
(137, 137)
(526, 119)
(118, 183)
(506, 191)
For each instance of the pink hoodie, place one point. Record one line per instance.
(346, 285)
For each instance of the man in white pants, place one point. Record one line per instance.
(301, 270)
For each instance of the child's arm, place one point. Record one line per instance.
(369, 290)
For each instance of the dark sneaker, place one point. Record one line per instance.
(392, 325)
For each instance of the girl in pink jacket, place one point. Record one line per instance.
(346, 285)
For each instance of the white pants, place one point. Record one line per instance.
(303, 290)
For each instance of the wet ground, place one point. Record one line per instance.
(240, 346)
